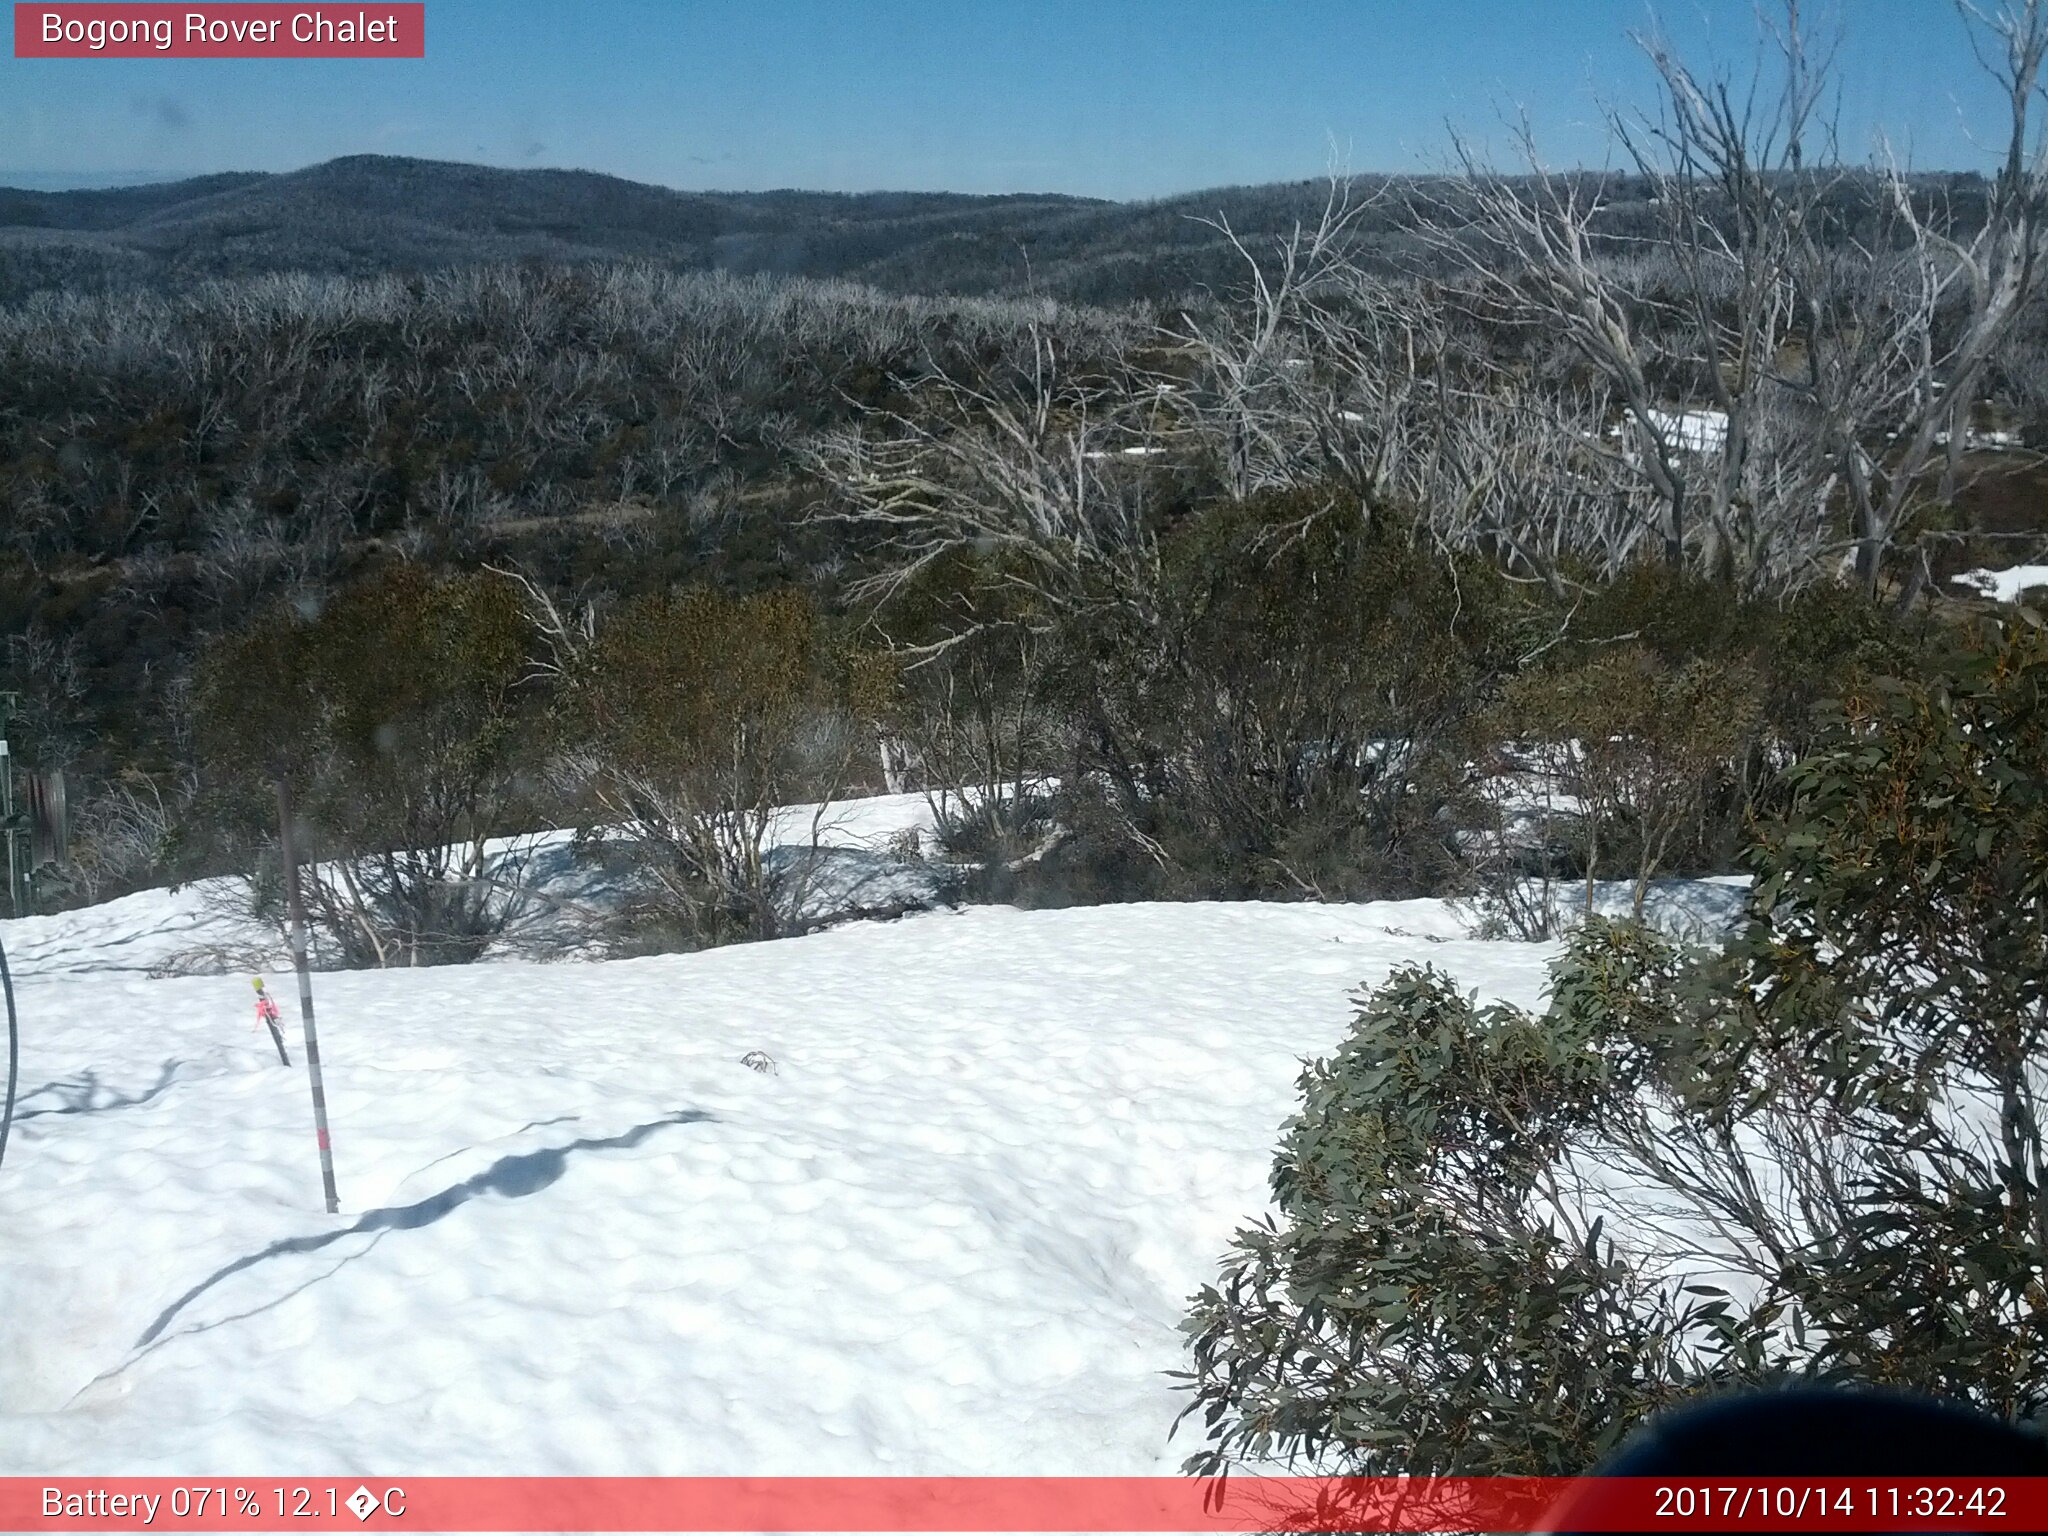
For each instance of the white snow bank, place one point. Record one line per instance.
(1995, 441)
(1681, 430)
(206, 925)
(2007, 585)
(1693, 431)
(953, 1232)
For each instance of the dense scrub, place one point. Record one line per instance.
(1504, 1237)
(1596, 479)
(399, 719)
(1290, 699)
(170, 466)
(1307, 702)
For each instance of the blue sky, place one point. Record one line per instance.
(1109, 98)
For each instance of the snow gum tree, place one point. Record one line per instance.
(1289, 717)
(1647, 742)
(976, 709)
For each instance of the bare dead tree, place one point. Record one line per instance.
(1780, 384)
(124, 832)
(979, 722)
(1263, 394)
(1033, 475)
(1990, 275)
(1526, 477)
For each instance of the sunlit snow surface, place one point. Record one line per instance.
(2005, 586)
(952, 1232)
(1694, 431)
(205, 927)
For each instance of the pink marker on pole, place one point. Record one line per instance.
(267, 1016)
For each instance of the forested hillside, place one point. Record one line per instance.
(371, 214)
(374, 215)
(1195, 508)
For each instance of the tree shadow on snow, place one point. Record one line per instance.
(80, 1095)
(514, 1177)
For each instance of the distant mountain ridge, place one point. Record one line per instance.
(371, 214)
(374, 213)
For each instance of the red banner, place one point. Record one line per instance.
(101, 30)
(1059, 1504)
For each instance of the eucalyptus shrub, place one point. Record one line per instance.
(695, 719)
(1500, 1238)
(1417, 1307)
(400, 715)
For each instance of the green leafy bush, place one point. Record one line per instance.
(1426, 1302)
(398, 716)
(1503, 1237)
(975, 719)
(1288, 717)
(1642, 746)
(695, 717)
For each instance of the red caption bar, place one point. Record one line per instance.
(216, 31)
(1060, 1504)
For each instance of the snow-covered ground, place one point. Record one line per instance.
(952, 1231)
(2005, 586)
(1696, 431)
(205, 927)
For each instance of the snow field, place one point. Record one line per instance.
(953, 1232)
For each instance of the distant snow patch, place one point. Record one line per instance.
(2007, 585)
(1694, 431)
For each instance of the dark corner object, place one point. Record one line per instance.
(1818, 1432)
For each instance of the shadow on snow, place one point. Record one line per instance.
(80, 1095)
(514, 1176)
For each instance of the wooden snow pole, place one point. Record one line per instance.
(296, 907)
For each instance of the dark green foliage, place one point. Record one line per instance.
(1288, 717)
(396, 715)
(976, 717)
(670, 682)
(1675, 614)
(1416, 1310)
(1700, 695)
(1914, 865)
(1642, 745)
(1504, 1237)
(1901, 942)
(1801, 644)
(695, 717)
